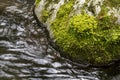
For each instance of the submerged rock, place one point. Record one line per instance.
(86, 31)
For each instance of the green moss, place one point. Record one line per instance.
(84, 38)
(86, 24)
(65, 9)
(45, 15)
(37, 2)
(46, 12)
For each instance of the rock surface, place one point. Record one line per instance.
(86, 31)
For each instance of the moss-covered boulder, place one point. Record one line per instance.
(83, 33)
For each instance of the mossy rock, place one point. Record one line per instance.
(84, 38)
(37, 2)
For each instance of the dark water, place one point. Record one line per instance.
(26, 55)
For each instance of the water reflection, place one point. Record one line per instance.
(26, 55)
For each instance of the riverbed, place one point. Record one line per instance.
(25, 53)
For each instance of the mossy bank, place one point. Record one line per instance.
(86, 31)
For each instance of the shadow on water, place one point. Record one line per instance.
(26, 55)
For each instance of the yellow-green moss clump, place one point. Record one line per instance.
(84, 38)
(37, 2)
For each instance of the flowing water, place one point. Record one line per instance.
(26, 55)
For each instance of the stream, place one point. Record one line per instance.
(25, 53)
